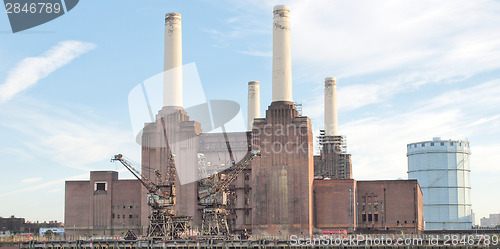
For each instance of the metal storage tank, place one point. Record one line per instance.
(442, 168)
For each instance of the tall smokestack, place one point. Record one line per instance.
(172, 78)
(282, 56)
(331, 119)
(253, 102)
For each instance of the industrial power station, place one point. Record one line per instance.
(261, 181)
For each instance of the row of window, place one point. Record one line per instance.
(375, 218)
(406, 222)
(118, 207)
(370, 217)
(124, 216)
(440, 143)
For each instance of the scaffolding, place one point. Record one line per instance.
(298, 107)
(334, 162)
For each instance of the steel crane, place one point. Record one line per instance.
(164, 222)
(213, 192)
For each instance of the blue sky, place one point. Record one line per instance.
(406, 71)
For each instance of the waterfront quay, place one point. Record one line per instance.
(358, 241)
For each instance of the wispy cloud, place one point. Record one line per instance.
(243, 29)
(30, 70)
(57, 134)
(378, 143)
(31, 180)
(46, 184)
(253, 52)
(484, 96)
(346, 38)
(58, 182)
(405, 44)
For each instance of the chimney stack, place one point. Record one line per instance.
(172, 76)
(253, 103)
(331, 120)
(282, 58)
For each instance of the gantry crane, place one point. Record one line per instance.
(213, 192)
(164, 222)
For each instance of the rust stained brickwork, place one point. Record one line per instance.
(187, 140)
(104, 205)
(390, 205)
(282, 178)
(378, 206)
(275, 196)
(334, 205)
(182, 134)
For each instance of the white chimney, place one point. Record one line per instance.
(172, 76)
(331, 120)
(253, 102)
(282, 57)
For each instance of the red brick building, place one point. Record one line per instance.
(391, 205)
(103, 206)
(385, 206)
(277, 195)
(282, 179)
(335, 205)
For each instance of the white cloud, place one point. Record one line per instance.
(485, 158)
(46, 184)
(414, 42)
(253, 52)
(378, 143)
(484, 96)
(30, 70)
(70, 140)
(347, 38)
(31, 180)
